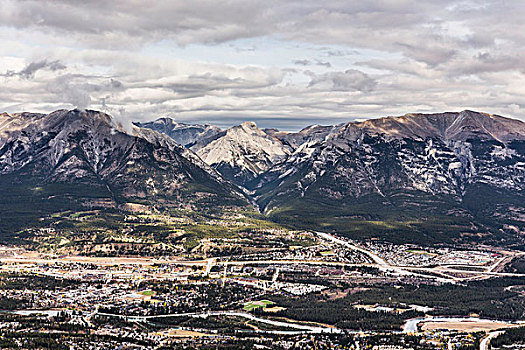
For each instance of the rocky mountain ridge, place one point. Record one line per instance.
(251, 151)
(468, 164)
(183, 133)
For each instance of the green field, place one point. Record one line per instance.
(251, 305)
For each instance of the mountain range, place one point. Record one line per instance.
(447, 177)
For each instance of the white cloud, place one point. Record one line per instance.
(364, 59)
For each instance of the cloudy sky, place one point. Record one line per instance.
(283, 63)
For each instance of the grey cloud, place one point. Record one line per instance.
(323, 63)
(244, 49)
(115, 84)
(139, 22)
(200, 84)
(68, 90)
(349, 80)
(484, 62)
(402, 66)
(29, 71)
(316, 62)
(335, 53)
(302, 62)
(204, 21)
(431, 55)
(77, 89)
(419, 29)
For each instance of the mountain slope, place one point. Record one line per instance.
(441, 175)
(74, 159)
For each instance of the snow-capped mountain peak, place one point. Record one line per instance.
(242, 152)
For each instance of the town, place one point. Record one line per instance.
(253, 298)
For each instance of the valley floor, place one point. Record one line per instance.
(333, 293)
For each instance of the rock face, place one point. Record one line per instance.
(85, 157)
(461, 126)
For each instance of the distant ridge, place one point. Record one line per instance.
(455, 126)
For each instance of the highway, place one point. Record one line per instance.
(376, 258)
(440, 273)
(302, 327)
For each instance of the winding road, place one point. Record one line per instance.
(485, 343)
